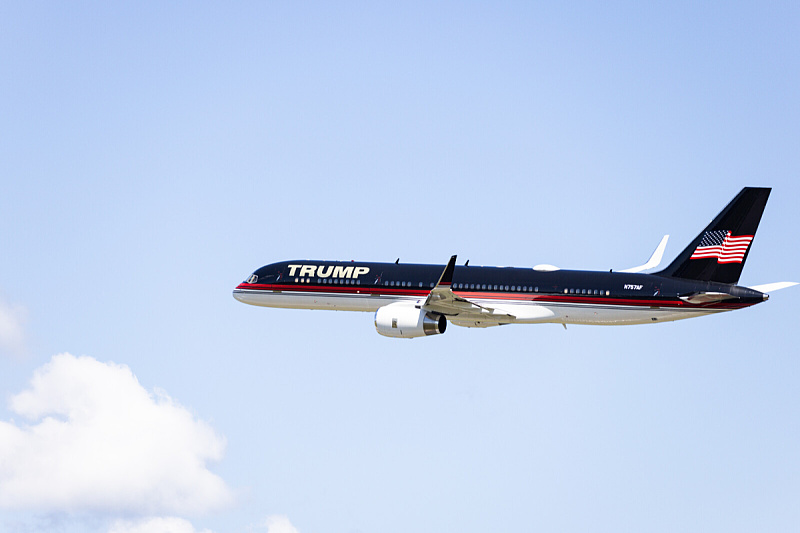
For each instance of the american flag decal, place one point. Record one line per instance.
(723, 246)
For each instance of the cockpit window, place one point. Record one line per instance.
(252, 279)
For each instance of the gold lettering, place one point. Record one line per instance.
(343, 272)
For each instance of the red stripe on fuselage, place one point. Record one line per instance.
(500, 296)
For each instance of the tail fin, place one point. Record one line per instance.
(719, 252)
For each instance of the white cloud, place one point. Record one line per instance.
(279, 524)
(169, 524)
(12, 333)
(98, 441)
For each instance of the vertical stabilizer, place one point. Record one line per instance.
(718, 253)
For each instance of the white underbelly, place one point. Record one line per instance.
(304, 300)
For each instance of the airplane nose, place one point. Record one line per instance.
(239, 294)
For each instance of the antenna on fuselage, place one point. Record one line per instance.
(397, 261)
(467, 263)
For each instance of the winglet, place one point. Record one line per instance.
(654, 260)
(446, 278)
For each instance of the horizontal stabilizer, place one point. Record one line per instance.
(772, 287)
(706, 297)
(654, 260)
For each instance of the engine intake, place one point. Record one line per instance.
(404, 320)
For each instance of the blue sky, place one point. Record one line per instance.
(153, 156)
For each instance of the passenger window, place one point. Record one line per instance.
(536, 289)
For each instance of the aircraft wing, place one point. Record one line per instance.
(442, 300)
(654, 260)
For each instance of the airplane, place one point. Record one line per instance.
(417, 300)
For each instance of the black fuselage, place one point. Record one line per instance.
(416, 280)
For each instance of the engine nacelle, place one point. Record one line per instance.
(404, 320)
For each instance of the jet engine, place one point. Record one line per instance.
(404, 320)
